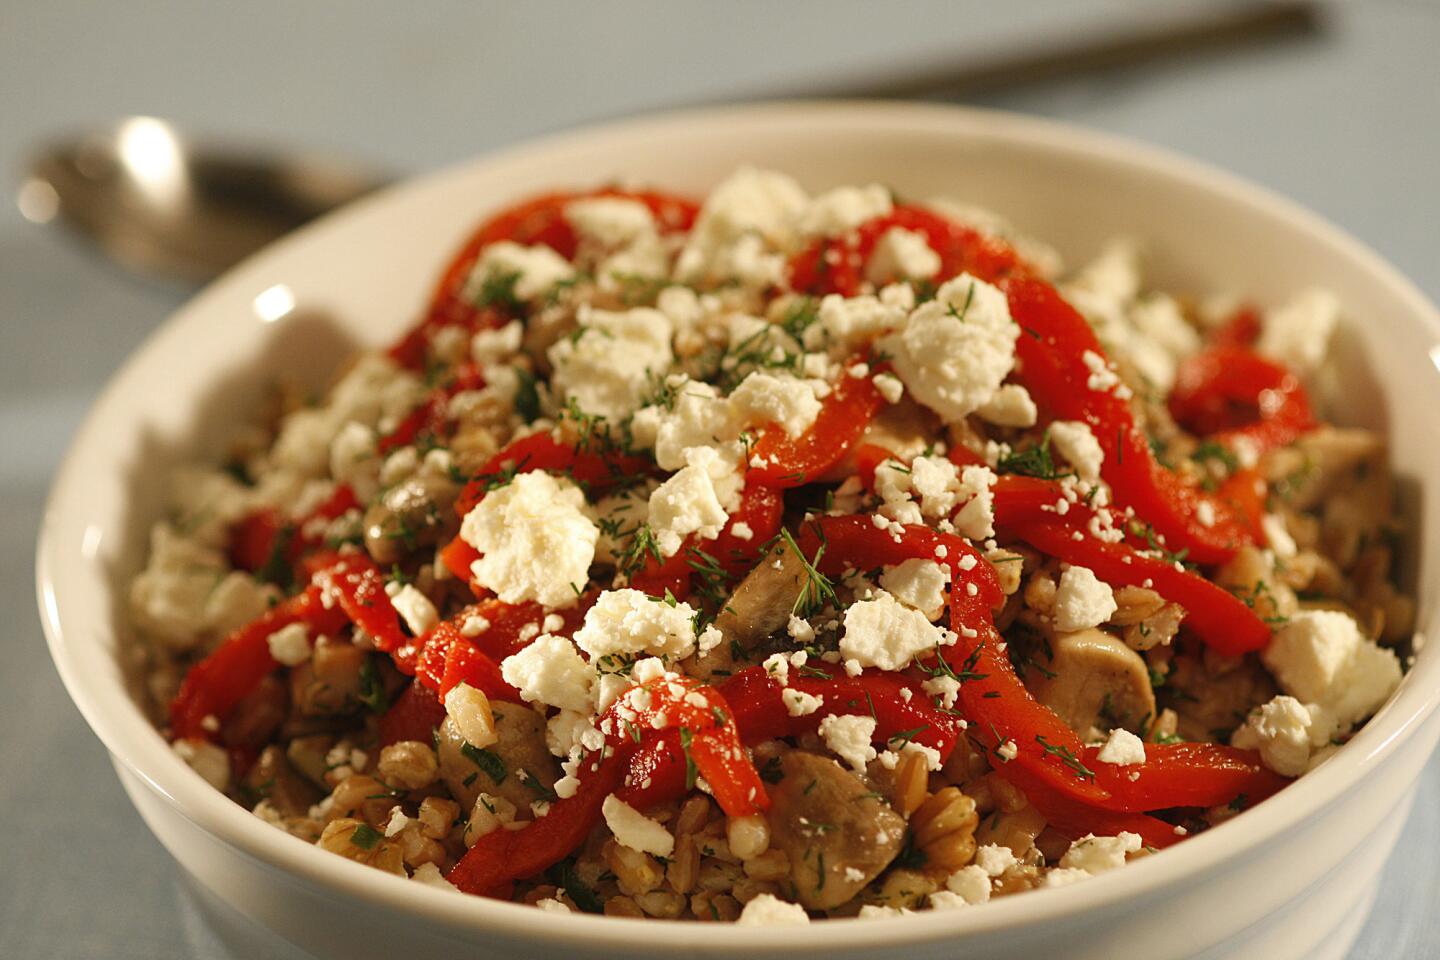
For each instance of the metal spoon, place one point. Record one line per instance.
(163, 205)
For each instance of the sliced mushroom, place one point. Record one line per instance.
(838, 835)
(760, 606)
(518, 766)
(1322, 462)
(1094, 682)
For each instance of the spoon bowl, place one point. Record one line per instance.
(165, 205)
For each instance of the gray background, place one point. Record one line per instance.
(1346, 122)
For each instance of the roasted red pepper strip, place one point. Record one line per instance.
(264, 541)
(761, 509)
(228, 675)
(413, 716)
(1185, 775)
(501, 855)
(686, 710)
(354, 582)
(1076, 820)
(838, 266)
(1002, 712)
(1230, 393)
(1024, 510)
(541, 451)
(1052, 351)
(540, 220)
(458, 557)
(779, 460)
(430, 418)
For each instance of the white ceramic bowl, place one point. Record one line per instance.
(1292, 878)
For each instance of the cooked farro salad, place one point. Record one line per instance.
(777, 558)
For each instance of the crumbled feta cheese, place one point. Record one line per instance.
(1320, 657)
(550, 671)
(1007, 751)
(1082, 600)
(535, 540)
(415, 609)
(836, 211)
(430, 875)
(635, 830)
(767, 910)
(290, 645)
(1122, 748)
(700, 417)
(609, 221)
(237, 600)
(953, 352)
(687, 503)
(536, 269)
(890, 387)
(1093, 854)
(849, 738)
(994, 859)
(798, 703)
(1114, 274)
(628, 621)
(611, 363)
(767, 398)
(972, 884)
(882, 633)
(1075, 442)
(168, 598)
(741, 215)
(843, 324)
(1159, 317)
(901, 254)
(1298, 332)
(551, 905)
(1286, 732)
(470, 709)
(1009, 406)
(918, 583)
(1064, 876)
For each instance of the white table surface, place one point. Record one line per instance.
(1347, 123)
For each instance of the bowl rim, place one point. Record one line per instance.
(135, 743)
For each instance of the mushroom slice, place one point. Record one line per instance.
(838, 834)
(761, 605)
(1094, 682)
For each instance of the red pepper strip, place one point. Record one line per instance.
(704, 718)
(787, 461)
(714, 746)
(1218, 617)
(760, 711)
(1001, 710)
(458, 557)
(761, 508)
(1075, 820)
(1185, 775)
(501, 855)
(1240, 329)
(838, 266)
(1232, 393)
(413, 716)
(354, 582)
(537, 221)
(657, 771)
(265, 540)
(228, 675)
(541, 451)
(1051, 351)
(430, 418)
(1244, 490)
